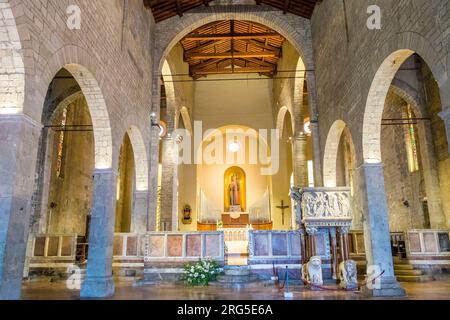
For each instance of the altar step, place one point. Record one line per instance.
(405, 272)
(237, 277)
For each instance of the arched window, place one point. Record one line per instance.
(411, 139)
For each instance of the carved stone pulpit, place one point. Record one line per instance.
(324, 208)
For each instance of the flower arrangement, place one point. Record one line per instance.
(201, 273)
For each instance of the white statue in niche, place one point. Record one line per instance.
(348, 275)
(312, 271)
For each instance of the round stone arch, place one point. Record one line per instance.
(331, 152)
(12, 71)
(184, 113)
(295, 29)
(299, 83)
(170, 93)
(78, 62)
(390, 58)
(140, 158)
(281, 119)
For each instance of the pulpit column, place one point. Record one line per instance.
(343, 239)
(334, 252)
(312, 231)
(303, 246)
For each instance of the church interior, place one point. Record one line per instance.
(282, 139)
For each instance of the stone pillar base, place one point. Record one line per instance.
(102, 287)
(389, 287)
(10, 290)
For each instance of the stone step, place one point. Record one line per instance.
(237, 271)
(238, 279)
(409, 272)
(399, 261)
(403, 267)
(422, 278)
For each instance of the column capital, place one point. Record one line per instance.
(312, 231)
(332, 232)
(344, 230)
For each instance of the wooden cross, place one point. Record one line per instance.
(282, 207)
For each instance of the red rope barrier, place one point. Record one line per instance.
(306, 283)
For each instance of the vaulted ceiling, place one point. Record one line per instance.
(165, 9)
(232, 46)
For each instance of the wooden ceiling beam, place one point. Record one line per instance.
(265, 46)
(230, 55)
(236, 70)
(237, 36)
(205, 46)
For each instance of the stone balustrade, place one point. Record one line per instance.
(183, 246)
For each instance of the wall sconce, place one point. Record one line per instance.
(160, 125)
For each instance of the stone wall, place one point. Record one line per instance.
(346, 66)
(404, 189)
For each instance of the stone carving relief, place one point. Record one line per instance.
(348, 275)
(312, 271)
(326, 205)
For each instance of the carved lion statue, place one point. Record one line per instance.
(348, 274)
(312, 271)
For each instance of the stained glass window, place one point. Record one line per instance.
(411, 141)
(61, 145)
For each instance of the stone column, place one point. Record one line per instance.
(140, 210)
(153, 179)
(318, 175)
(445, 115)
(303, 246)
(431, 176)
(312, 231)
(343, 243)
(376, 229)
(169, 216)
(19, 140)
(334, 252)
(300, 161)
(99, 282)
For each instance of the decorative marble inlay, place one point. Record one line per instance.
(175, 246)
(52, 250)
(118, 243)
(261, 242)
(132, 246)
(279, 244)
(295, 244)
(39, 247)
(414, 242)
(156, 246)
(213, 244)
(193, 245)
(66, 247)
(429, 240)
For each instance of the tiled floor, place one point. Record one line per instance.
(45, 290)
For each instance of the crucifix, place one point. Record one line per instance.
(282, 207)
